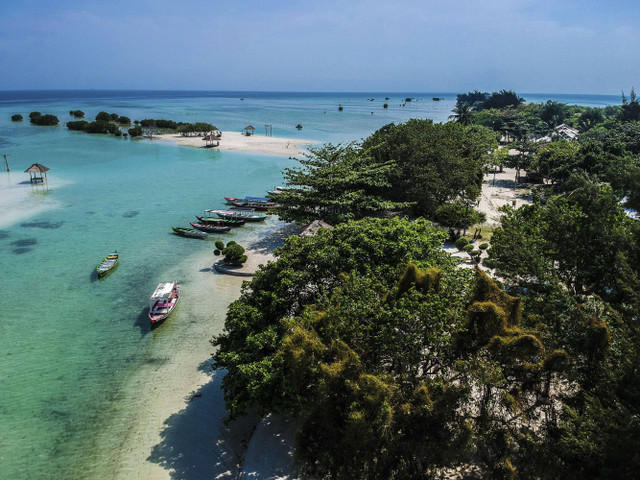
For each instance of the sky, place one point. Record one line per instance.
(542, 46)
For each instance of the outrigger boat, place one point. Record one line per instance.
(210, 228)
(189, 232)
(239, 214)
(163, 302)
(215, 220)
(108, 264)
(258, 206)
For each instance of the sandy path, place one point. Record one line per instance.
(502, 191)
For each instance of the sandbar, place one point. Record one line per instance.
(20, 200)
(238, 141)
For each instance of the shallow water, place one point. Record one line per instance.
(69, 342)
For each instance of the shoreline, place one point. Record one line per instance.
(175, 408)
(240, 142)
(21, 200)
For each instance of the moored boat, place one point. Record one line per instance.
(108, 264)
(244, 215)
(210, 228)
(189, 232)
(208, 219)
(258, 206)
(163, 301)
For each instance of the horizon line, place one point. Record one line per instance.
(281, 91)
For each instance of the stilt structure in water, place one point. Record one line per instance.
(36, 172)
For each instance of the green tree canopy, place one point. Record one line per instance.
(433, 164)
(335, 184)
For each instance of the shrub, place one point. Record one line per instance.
(468, 248)
(76, 113)
(107, 117)
(124, 120)
(43, 120)
(483, 246)
(386, 105)
(16, 118)
(461, 243)
(80, 125)
(135, 131)
(233, 253)
(102, 127)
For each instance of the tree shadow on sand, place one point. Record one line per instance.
(196, 444)
(274, 240)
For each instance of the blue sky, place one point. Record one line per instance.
(372, 45)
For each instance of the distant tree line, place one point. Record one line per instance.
(185, 129)
(111, 123)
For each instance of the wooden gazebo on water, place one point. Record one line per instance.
(36, 172)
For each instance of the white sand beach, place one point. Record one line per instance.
(238, 141)
(20, 199)
(177, 429)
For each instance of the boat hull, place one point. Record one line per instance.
(162, 306)
(247, 217)
(210, 228)
(108, 265)
(156, 320)
(218, 221)
(189, 233)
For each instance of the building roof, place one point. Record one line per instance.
(311, 229)
(36, 168)
(249, 127)
(567, 132)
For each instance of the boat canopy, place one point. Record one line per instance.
(163, 290)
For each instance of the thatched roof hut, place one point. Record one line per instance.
(249, 129)
(36, 171)
(212, 140)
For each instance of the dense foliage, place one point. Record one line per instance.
(396, 363)
(97, 126)
(335, 184)
(16, 117)
(575, 259)
(37, 118)
(418, 165)
(185, 129)
(135, 131)
(76, 113)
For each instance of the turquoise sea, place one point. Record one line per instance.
(68, 341)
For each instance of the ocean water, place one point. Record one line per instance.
(69, 341)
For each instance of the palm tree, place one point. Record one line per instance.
(462, 113)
